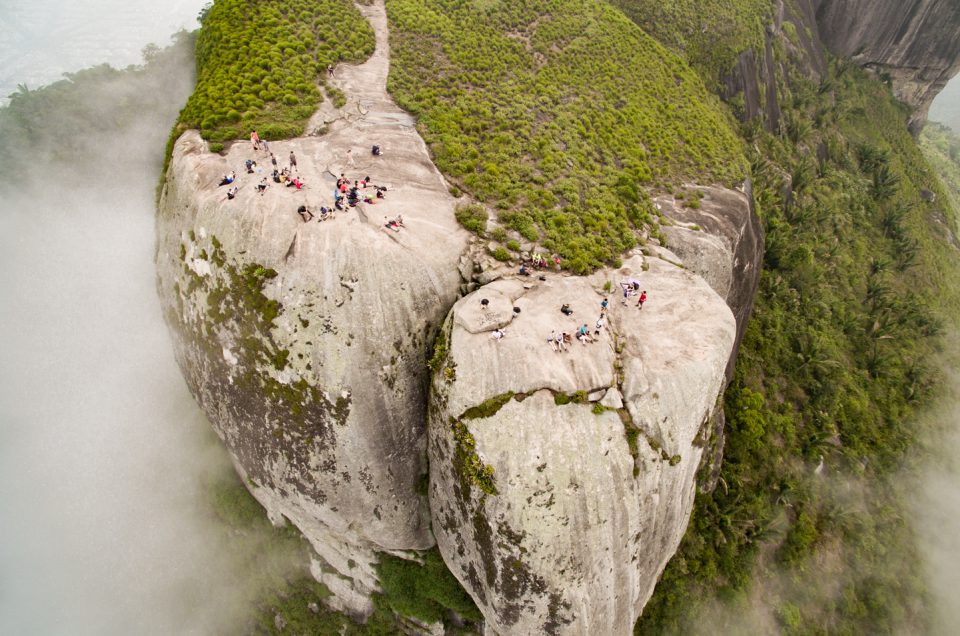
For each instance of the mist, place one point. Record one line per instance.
(103, 452)
(937, 506)
(41, 39)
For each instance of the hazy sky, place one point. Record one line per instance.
(946, 107)
(42, 39)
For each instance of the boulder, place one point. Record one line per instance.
(557, 514)
(305, 343)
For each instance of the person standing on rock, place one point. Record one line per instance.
(293, 162)
(329, 70)
(350, 157)
(643, 298)
(599, 325)
(255, 140)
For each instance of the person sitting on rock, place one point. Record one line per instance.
(232, 192)
(523, 270)
(391, 223)
(250, 163)
(498, 334)
(565, 310)
(262, 186)
(276, 176)
(305, 214)
(228, 179)
(567, 339)
(375, 151)
(552, 341)
(296, 183)
(558, 339)
(380, 192)
(583, 334)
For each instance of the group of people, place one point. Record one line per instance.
(357, 192)
(283, 176)
(561, 340)
(351, 194)
(632, 288)
(538, 261)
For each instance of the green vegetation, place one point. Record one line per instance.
(259, 62)
(711, 34)
(941, 147)
(427, 592)
(577, 397)
(473, 217)
(467, 462)
(858, 278)
(557, 113)
(488, 408)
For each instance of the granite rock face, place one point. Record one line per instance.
(558, 514)
(914, 42)
(721, 240)
(305, 342)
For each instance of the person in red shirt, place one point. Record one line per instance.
(643, 297)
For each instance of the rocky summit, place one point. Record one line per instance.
(490, 333)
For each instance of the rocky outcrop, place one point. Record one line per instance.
(305, 342)
(916, 43)
(718, 236)
(562, 482)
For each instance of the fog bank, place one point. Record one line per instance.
(102, 530)
(41, 39)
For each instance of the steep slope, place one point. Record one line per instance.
(562, 481)
(305, 342)
(915, 44)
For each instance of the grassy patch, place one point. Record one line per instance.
(488, 408)
(710, 34)
(558, 114)
(427, 592)
(467, 462)
(259, 64)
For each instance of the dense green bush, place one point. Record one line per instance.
(426, 591)
(709, 33)
(559, 114)
(473, 217)
(259, 63)
(835, 364)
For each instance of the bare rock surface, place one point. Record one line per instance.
(558, 514)
(721, 239)
(305, 342)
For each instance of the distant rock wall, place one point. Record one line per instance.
(915, 42)
(562, 482)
